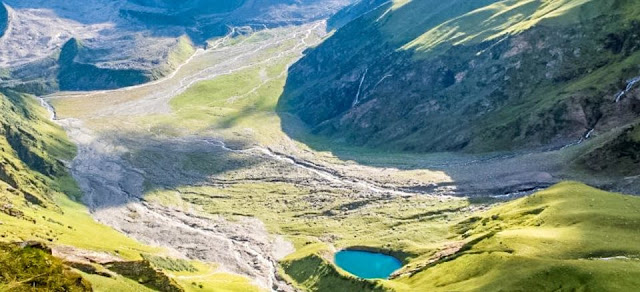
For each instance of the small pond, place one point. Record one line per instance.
(367, 265)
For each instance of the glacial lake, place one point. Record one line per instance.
(367, 265)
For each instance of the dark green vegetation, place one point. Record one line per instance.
(619, 157)
(488, 75)
(34, 269)
(146, 274)
(170, 264)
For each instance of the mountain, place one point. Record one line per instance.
(4, 19)
(558, 239)
(268, 137)
(471, 76)
(103, 44)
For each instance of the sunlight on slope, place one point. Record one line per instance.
(560, 236)
(494, 21)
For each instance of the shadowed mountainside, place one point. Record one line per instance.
(476, 76)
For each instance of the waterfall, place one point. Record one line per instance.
(50, 109)
(588, 135)
(630, 85)
(383, 78)
(357, 99)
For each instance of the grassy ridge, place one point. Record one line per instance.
(502, 18)
(32, 149)
(73, 75)
(311, 268)
(567, 237)
(619, 156)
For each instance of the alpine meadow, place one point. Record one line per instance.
(319, 145)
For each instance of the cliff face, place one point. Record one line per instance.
(474, 76)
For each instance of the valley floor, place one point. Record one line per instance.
(197, 163)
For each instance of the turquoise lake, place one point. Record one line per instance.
(367, 265)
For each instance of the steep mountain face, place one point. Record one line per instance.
(427, 75)
(4, 19)
(352, 12)
(619, 156)
(202, 6)
(100, 44)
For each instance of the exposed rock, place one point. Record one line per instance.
(37, 245)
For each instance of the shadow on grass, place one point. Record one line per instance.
(116, 177)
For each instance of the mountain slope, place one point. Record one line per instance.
(4, 19)
(32, 149)
(126, 42)
(428, 75)
(557, 239)
(39, 203)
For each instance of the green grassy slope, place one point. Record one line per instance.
(32, 150)
(40, 201)
(618, 157)
(311, 268)
(569, 237)
(38, 197)
(470, 75)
